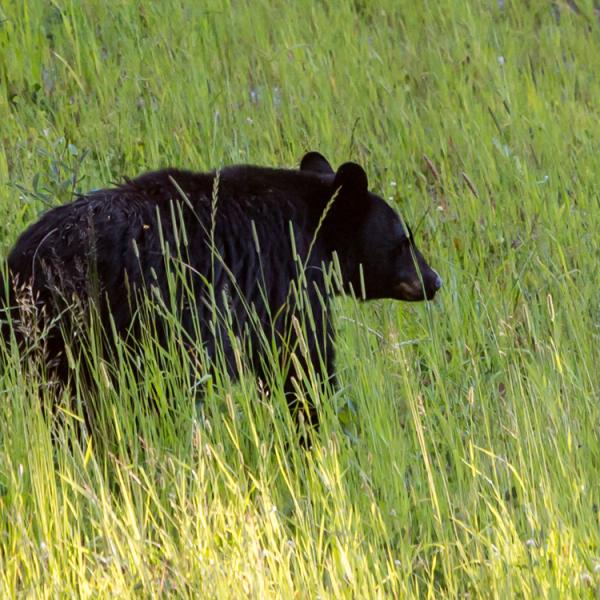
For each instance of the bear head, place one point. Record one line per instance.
(376, 250)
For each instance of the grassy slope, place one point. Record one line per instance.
(475, 469)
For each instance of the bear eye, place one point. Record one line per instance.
(406, 241)
(403, 245)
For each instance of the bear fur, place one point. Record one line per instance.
(253, 248)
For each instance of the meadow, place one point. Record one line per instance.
(461, 456)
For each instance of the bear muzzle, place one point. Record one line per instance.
(419, 289)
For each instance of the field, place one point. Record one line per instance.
(461, 456)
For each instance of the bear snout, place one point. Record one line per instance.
(432, 282)
(419, 289)
(410, 291)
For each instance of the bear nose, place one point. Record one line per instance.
(437, 282)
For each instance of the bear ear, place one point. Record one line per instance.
(313, 161)
(351, 176)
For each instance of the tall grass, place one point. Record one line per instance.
(461, 455)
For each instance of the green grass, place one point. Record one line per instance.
(470, 465)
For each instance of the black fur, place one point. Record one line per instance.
(107, 248)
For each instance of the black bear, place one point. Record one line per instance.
(255, 249)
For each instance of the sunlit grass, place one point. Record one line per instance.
(461, 455)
